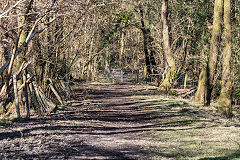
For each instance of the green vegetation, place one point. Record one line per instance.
(2, 122)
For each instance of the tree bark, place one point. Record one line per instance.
(214, 48)
(206, 77)
(200, 95)
(145, 42)
(225, 100)
(170, 77)
(26, 98)
(25, 22)
(16, 95)
(121, 50)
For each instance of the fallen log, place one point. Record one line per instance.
(54, 90)
(187, 92)
(44, 105)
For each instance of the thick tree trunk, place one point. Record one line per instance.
(146, 33)
(25, 22)
(152, 60)
(225, 100)
(170, 77)
(214, 48)
(206, 78)
(201, 93)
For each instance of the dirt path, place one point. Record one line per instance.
(124, 121)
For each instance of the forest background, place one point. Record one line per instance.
(45, 43)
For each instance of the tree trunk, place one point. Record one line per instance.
(16, 95)
(200, 95)
(26, 98)
(25, 22)
(214, 48)
(206, 77)
(225, 100)
(121, 50)
(146, 33)
(170, 77)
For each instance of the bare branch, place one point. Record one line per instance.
(9, 9)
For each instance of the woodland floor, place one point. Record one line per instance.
(123, 121)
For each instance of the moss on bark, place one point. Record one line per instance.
(169, 80)
(172, 72)
(206, 78)
(225, 100)
(200, 96)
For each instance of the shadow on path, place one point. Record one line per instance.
(112, 125)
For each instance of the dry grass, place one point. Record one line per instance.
(192, 134)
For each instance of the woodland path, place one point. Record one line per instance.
(120, 121)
